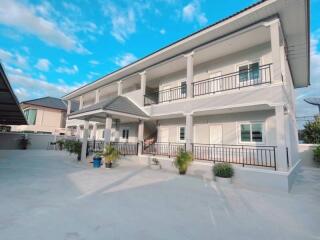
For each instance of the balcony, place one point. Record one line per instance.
(236, 80)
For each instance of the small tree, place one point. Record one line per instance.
(311, 132)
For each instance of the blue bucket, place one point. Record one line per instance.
(96, 162)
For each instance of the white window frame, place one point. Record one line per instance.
(247, 62)
(263, 125)
(125, 129)
(178, 134)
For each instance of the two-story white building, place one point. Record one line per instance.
(226, 92)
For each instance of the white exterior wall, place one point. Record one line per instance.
(230, 127)
(225, 65)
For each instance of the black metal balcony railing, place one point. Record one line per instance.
(263, 156)
(166, 95)
(236, 80)
(231, 81)
(164, 149)
(123, 147)
(126, 148)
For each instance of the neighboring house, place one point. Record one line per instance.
(44, 115)
(226, 92)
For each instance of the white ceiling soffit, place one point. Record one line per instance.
(294, 17)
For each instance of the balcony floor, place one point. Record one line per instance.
(47, 195)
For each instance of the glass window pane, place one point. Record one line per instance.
(182, 134)
(123, 133)
(183, 87)
(243, 73)
(254, 71)
(32, 115)
(127, 134)
(245, 132)
(256, 132)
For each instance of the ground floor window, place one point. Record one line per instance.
(181, 134)
(125, 133)
(251, 132)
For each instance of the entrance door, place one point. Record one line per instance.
(215, 84)
(215, 152)
(164, 135)
(216, 134)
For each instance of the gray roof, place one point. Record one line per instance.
(50, 102)
(118, 104)
(10, 111)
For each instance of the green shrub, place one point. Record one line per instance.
(60, 144)
(73, 146)
(223, 170)
(182, 161)
(316, 153)
(311, 131)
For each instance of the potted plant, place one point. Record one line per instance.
(222, 172)
(316, 154)
(60, 144)
(97, 160)
(73, 147)
(110, 154)
(182, 161)
(24, 142)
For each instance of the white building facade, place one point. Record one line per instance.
(225, 93)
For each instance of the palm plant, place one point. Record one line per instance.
(182, 161)
(110, 154)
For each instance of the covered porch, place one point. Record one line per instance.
(123, 124)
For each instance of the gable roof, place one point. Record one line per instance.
(49, 102)
(10, 111)
(119, 104)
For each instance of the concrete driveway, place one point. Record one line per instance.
(46, 195)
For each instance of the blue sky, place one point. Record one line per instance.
(52, 47)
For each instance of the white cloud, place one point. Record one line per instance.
(94, 62)
(162, 31)
(13, 58)
(123, 21)
(192, 12)
(35, 20)
(90, 75)
(43, 64)
(303, 108)
(71, 7)
(68, 70)
(26, 86)
(125, 59)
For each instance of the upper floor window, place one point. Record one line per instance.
(249, 72)
(183, 87)
(251, 132)
(31, 115)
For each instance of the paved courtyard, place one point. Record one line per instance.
(45, 195)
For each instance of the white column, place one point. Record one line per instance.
(189, 57)
(117, 132)
(275, 49)
(94, 131)
(281, 153)
(85, 140)
(119, 88)
(78, 131)
(107, 130)
(189, 132)
(140, 135)
(80, 102)
(97, 96)
(143, 85)
(69, 107)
